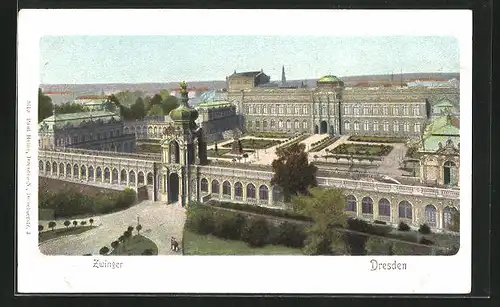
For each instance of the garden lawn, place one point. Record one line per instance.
(61, 232)
(255, 143)
(362, 149)
(377, 139)
(136, 245)
(195, 244)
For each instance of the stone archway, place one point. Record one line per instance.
(173, 188)
(323, 127)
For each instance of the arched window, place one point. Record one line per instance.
(386, 126)
(277, 193)
(304, 124)
(375, 126)
(47, 167)
(430, 216)
(396, 126)
(350, 203)
(366, 126)
(273, 124)
(367, 205)
(384, 207)
(83, 171)
(150, 178)
(448, 213)
(449, 173)
(263, 192)
(75, 171)
(250, 191)
(131, 177)
(226, 188)
(61, 169)
(68, 170)
(40, 166)
(107, 174)
(54, 168)
(416, 128)
(140, 178)
(405, 210)
(123, 177)
(288, 124)
(356, 126)
(215, 187)
(91, 172)
(406, 126)
(204, 185)
(297, 124)
(347, 125)
(238, 189)
(115, 175)
(280, 123)
(174, 151)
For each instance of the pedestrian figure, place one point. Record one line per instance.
(174, 245)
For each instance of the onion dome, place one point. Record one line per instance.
(183, 113)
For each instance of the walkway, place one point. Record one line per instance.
(159, 223)
(313, 139)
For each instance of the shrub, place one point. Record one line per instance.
(425, 241)
(379, 222)
(91, 221)
(67, 223)
(363, 226)
(52, 225)
(148, 252)
(260, 210)
(104, 250)
(355, 243)
(115, 244)
(83, 223)
(403, 227)
(75, 223)
(40, 227)
(228, 225)
(200, 220)
(290, 235)
(424, 229)
(256, 232)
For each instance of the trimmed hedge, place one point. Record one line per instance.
(403, 227)
(256, 232)
(318, 146)
(70, 202)
(260, 210)
(377, 139)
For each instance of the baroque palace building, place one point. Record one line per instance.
(183, 173)
(330, 107)
(99, 130)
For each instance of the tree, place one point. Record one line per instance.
(52, 225)
(115, 244)
(75, 223)
(245, 156)
(104, 250)
(127, 235)
(121, 239)
(138, 108)
(169, 104)
(138, 228)
(315, 157)
(130, 229)
(45, 106)
(292, 171)
(83, 223)
(67, 223)
(70, 107)
(91, 221)
(326, 208)
(40, 228)
(155, 100)
(156, 110)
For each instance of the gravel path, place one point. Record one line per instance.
(159, 223)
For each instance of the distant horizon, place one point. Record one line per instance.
(272, 79)
(164, 59)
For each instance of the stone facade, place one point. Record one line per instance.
(331, 108)
(99, 130)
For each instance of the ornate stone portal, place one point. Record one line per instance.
(181, 144)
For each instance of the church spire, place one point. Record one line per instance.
(283, 78)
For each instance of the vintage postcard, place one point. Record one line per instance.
(242, 159)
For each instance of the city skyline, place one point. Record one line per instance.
(107, 59)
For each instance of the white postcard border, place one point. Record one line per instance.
(237, 274)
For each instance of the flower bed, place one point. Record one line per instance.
(362, 150)
(283, 135)
(318, 146)
(377, 139)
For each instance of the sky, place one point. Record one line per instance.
(138, 59)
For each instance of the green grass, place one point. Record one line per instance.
(255, 143)
(135, 246)
(362, 149)
(61, 232)
(195, 244)
(377, 139)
